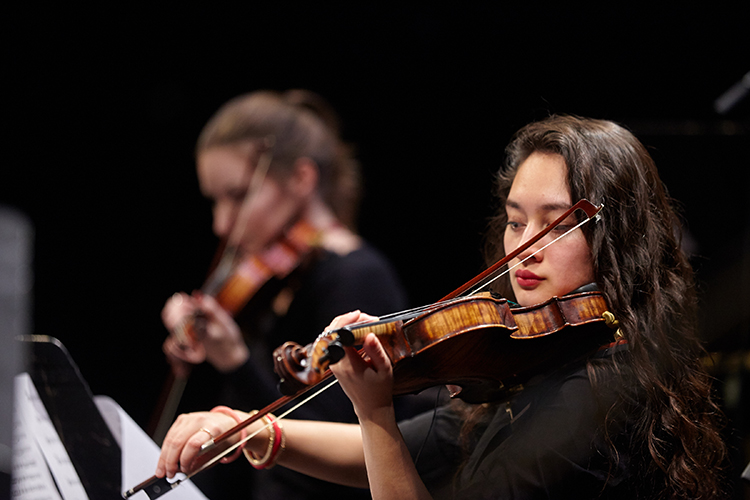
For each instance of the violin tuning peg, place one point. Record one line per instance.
(610, 320)
(614, 324)
(333, 353)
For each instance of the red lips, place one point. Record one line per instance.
(526, 279)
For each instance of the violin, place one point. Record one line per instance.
(233, 283)
(234, 289)
(475, 341)
(236, 279)
(478, 343)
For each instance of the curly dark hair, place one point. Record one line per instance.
(648, 282)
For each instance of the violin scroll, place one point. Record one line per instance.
(299, 367)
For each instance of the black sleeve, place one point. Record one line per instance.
(362, 280)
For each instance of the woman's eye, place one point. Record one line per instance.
(237, 195)
(512, 225)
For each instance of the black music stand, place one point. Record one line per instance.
(92, 448)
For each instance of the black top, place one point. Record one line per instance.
(328, 286)
(547, 443)
(333, 285)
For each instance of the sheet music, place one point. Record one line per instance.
(42, 469)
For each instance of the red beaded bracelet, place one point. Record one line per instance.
(243, 434)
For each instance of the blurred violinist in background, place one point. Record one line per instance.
(631, 416)
(285, 192)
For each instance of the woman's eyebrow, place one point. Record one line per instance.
(547, 207)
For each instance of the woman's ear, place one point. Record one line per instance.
(304, 179)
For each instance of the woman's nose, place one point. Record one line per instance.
(534, 250)
(223, 219)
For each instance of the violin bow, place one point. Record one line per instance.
(228, 255)
(154, 487)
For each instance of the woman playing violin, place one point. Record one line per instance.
(636, 419)
(270, 162)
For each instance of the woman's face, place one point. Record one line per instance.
(225, 173)
(539, 195)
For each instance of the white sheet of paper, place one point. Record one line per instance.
(41, 465)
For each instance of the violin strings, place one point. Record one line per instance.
(406, 314)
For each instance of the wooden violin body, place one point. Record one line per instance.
(478, 343)
(234, 282)
(233, 289)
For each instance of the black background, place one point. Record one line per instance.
(106, 103)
